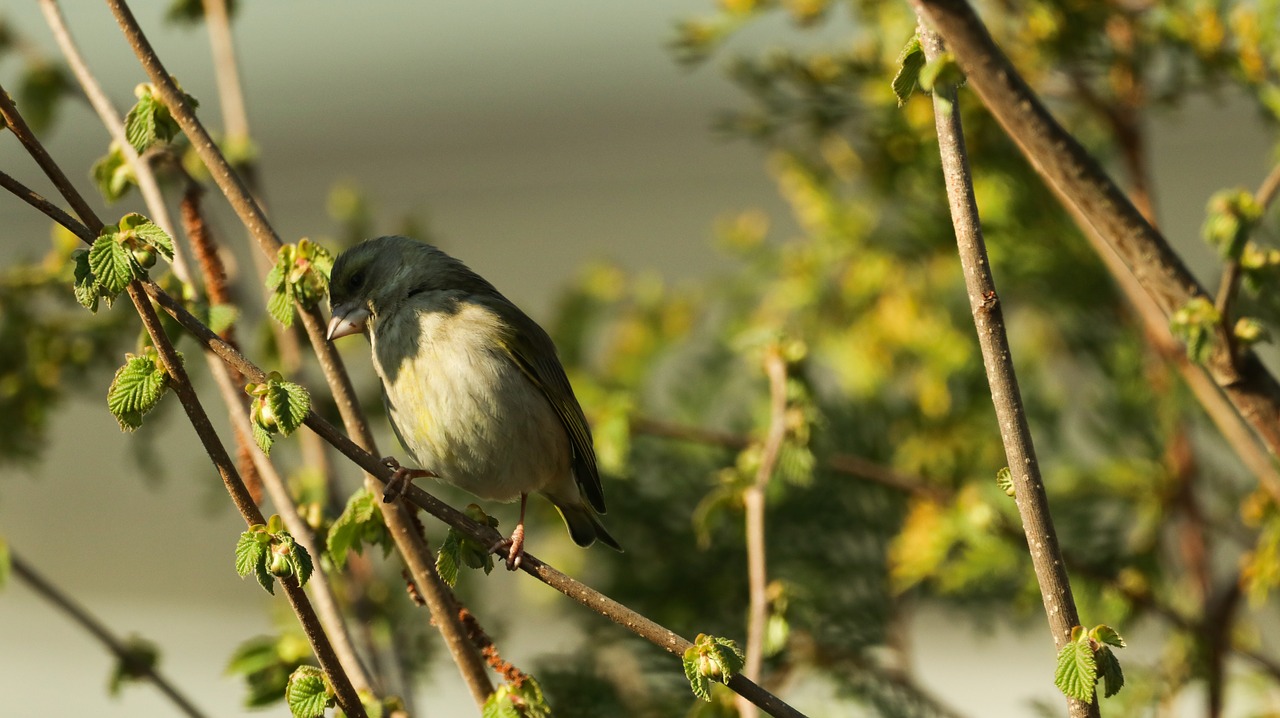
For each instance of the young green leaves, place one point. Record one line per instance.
(268, 551)
(121, 253)
(457, 550)
(149, 121)
(301, 274)
(308, 693)
(360, 523)
(521, 699)
(1086, 659)
(915, 71)
(1231, 216)
(710, 658)
(137, 388)
(279, 407)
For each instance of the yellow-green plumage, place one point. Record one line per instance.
(472, 385)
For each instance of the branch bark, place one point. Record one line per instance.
(988, 317)
(1066, 166)
(80, 615)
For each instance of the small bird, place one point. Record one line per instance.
(473, 386)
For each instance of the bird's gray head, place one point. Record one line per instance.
(374, 277)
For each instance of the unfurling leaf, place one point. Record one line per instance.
(359, 523)
(1077, 670)
(457, 550)
(517, 701)
(110, 263)
(910, 61)
(136, 389)
(308, 693)
(113, 175)
(1231, 217)
(149, 121)
(301, 275)
(1112, 676)
(1004, 479)
(710, 658)
(278, 406)
(1194, 324)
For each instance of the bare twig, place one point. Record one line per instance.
(110, 118)
(80, 615)
(753, 501)
(411, 544)
(988, 317)
(181, 384)
(235, 120)
(1060, 159)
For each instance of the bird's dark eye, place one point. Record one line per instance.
(356, 280)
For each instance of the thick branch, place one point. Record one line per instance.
(1065, 165)
(988, 317)
(104, 635)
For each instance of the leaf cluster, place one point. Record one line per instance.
(268, 552)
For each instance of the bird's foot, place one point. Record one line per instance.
(400, 479)
(514, 547)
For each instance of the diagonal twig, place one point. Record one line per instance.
(988, 317)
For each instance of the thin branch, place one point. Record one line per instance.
(321, 589)
(235, 120)
(181, 385)
(1060, 159)
(110, 118)
(411, 544)
(988, 317)
(118, 648)
(753, 501)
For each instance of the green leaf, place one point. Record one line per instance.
(700, 684)
(1230, 217)
(1112, 675)
(360, 520)
(308, 694)
(1004, 479)
(280, 307)
(111, 264)
(710, 658)
(448, 558)
(86, 286)
(140, 124)
(1077, 670)
(249, 552)
(113, 175)
(302, 565)
(136, 390)
(910, 60)
(1102, 633)
(263, 438)
(149, 232)
(138, 662)
(290, 403)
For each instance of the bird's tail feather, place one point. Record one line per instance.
(584, 526)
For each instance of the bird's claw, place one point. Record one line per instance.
(513, 546)
(400, 479)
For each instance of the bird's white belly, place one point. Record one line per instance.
(466, 412)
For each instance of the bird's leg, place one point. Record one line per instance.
(400, 479)
(515, 544)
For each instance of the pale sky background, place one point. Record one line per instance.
(532, 137)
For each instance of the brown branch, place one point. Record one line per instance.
(181, 385)
(988, 317)
(1064, 164)
(753, 501)
(411, 544)
(118, 648)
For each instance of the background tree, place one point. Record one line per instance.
(801, 450)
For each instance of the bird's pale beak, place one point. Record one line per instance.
(347, 319)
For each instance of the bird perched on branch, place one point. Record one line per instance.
(472, 385)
